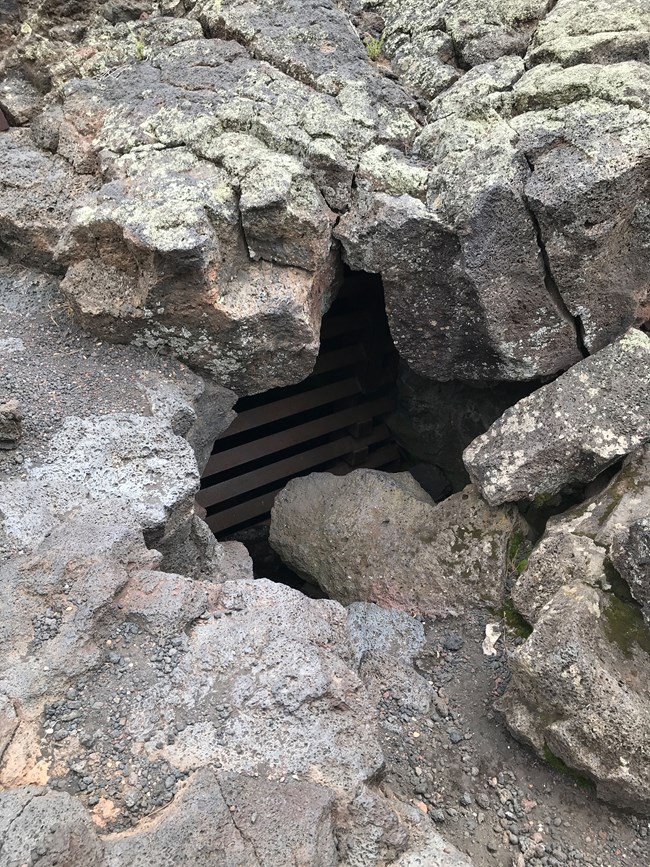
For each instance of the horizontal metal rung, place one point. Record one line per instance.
(302, 433)
(288, 406)
(294, 465)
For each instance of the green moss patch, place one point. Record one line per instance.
(562, 768)
(513, 619)
(625, 626)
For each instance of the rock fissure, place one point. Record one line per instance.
(549, 280)
(239, 826)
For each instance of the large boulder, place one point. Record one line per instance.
(601, 541)
(173, 270)
(579, 692)
(37, 193)
(579, 688)
(587, 31)
(568, 431)
(585, 132)
(375, 537)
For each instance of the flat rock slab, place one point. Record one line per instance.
(570, 430)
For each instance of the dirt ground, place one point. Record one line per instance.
(490, 795)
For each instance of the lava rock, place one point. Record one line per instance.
(11, 424)
(569, 430)
(373, 536)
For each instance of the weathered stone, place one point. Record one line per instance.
(248, 659)
(560, 558)
(371, 536)
(598, 543)
(37, 193)
(163, 603)
(587, 31)
(579, 691)
(128, 461)
(11, 424)
(480, 31)
(19, 100)
(586, 136)
(438, 306)
(569, 430)
(197, 829)
(54, 824)
(386, 643)
(283, 821)
(172, 274)
(8, 723)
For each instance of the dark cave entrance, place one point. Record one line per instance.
(361, 407)
(334, 421)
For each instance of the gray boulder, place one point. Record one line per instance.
(598, 543)
(197, 828)
(37, 194)
(167, 260)
(579, 688)
(563, 117)
(386, 643)
(587, 31)
(579, 691)
(375, 537)
(50, 827)
(570, 430)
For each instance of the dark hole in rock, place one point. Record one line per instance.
(361, 407)
(334, 421)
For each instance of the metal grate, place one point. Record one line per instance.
(331, 421)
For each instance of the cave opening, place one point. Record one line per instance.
(335, 420)
(362, 406)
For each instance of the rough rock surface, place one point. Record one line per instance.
(580, 682)
(584, 31)
(11, 424)
(580, 691)
(598, 542)
(257, 144)
(569, 430)
(376, 537)
(135, 701)
(198, 172)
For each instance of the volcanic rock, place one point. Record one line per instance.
(376, 537)
(569, 430)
